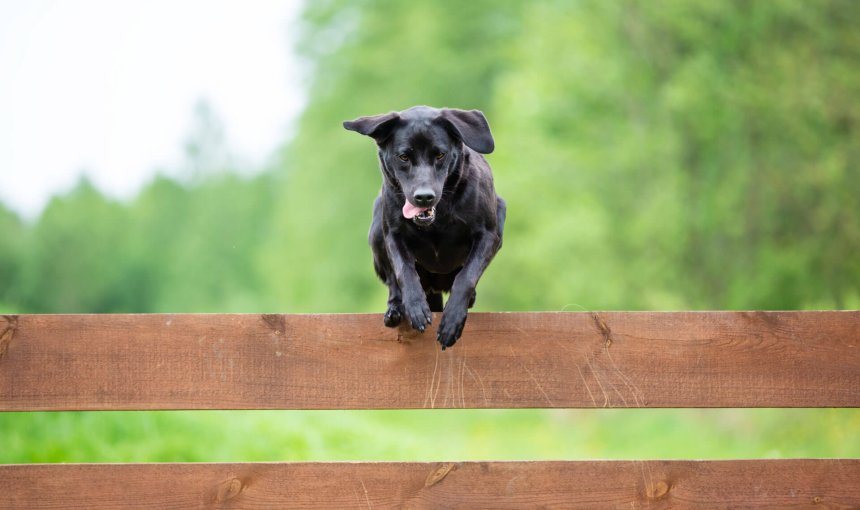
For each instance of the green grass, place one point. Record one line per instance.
(222, 436)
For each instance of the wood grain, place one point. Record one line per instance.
(504, 360)
(805, 483)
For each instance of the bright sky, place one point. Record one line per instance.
(108, 88)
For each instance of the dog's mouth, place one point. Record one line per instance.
(421, 216)
(425, 217)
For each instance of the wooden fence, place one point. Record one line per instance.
(504, 360)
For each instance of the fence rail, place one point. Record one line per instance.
(505, 360)
(567, 484)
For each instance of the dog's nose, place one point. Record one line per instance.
(424, 197)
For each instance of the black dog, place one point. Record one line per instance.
(437, 221)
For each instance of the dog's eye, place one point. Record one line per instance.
(403, 157)
(440, 156)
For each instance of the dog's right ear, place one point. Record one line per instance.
(471, 127)
(378, 127)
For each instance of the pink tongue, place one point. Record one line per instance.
(409, 210)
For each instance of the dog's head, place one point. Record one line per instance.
(421, 147)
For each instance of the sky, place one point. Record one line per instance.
(109, 88)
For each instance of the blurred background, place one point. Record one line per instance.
(662, 155)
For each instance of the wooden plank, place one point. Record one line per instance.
(560, 484)
(504, 360)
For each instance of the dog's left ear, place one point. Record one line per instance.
(470, 126)
(378, 127)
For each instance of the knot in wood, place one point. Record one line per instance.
(438, 474)
(657, 490)
(275, 322)
(7, 332)
(229, 489)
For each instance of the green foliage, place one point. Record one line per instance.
(75, 261)
(654, 155)
(686, 154)
(198, 244)
(231, 436)
(11, 255)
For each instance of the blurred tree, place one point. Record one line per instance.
(199, 243)
(77, 258)
(685, 154)
(12, 233)
(206, 150)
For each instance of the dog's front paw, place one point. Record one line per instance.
(451, 327)
(393, 315)
(418, 313)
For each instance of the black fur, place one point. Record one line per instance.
(416, 260)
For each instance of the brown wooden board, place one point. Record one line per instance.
(805, 483)
(504, 360)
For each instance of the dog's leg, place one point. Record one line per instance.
(462, 295)
(395, 302)
(394, 313)
(501, 212)
(382, 266)
(463, 290)
(415, 305)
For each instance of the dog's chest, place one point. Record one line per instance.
(440, 251)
